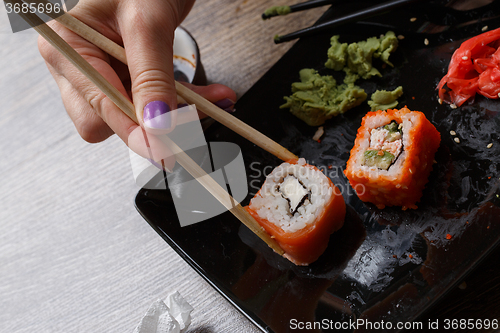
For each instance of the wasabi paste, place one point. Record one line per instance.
(357, 57)
(383, 99)
(317, 98)
(277, 10)
(337, 54)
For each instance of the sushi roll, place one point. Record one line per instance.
(300, 207)
(392, 157)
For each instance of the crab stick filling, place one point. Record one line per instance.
(386, 144)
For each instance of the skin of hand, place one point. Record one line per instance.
(146, 30)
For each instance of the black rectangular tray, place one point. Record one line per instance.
(389, 264)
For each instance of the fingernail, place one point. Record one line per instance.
(157, 115)
(225, 103)
(154, 163)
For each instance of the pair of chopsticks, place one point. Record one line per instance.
(187, 94)
(349, 18)
(128, 108)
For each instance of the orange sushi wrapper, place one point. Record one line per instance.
(305, 246)
(404, 188)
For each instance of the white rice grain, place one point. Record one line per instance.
(271, 205)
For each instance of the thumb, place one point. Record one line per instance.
(148, 35)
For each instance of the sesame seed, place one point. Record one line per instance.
(426, 41)
(489, 145)
(484, 28)
(498, 95)
(465, 58)
(453, 133)
(400, 37)
(413, 19)
(440, 101)
(462, 285)
(453, 106)
(457, 140)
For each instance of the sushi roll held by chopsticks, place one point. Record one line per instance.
(300, 207)
(392, 157)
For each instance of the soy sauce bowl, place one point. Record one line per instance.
(187, 63)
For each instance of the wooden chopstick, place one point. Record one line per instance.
(81, 29)
(356, 16)
(188, 95)
(128, 108)
(301, 6)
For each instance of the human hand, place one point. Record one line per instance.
(146, 29)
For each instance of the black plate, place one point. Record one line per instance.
(386, 264)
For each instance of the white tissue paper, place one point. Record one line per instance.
(171, 316)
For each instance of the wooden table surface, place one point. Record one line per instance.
(75, 255)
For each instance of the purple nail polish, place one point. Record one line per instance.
(154, 163)
(224, 103)
(159, 166)
(157, 115)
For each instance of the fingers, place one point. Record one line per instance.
(89, 125)
(215, 93)
(148, 34)
(221, 95)
(94, 115)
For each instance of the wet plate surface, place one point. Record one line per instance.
(386, 264)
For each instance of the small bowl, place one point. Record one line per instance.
(187, 63)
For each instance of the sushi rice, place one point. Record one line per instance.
(275, 207)
(402, 183)
(300, 207)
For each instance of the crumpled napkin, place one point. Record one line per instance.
(171, 316)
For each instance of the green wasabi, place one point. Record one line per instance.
(388, 44)
(277, 10)
(383, 99)
(337, 54)
(317, 98)
(357, 57)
